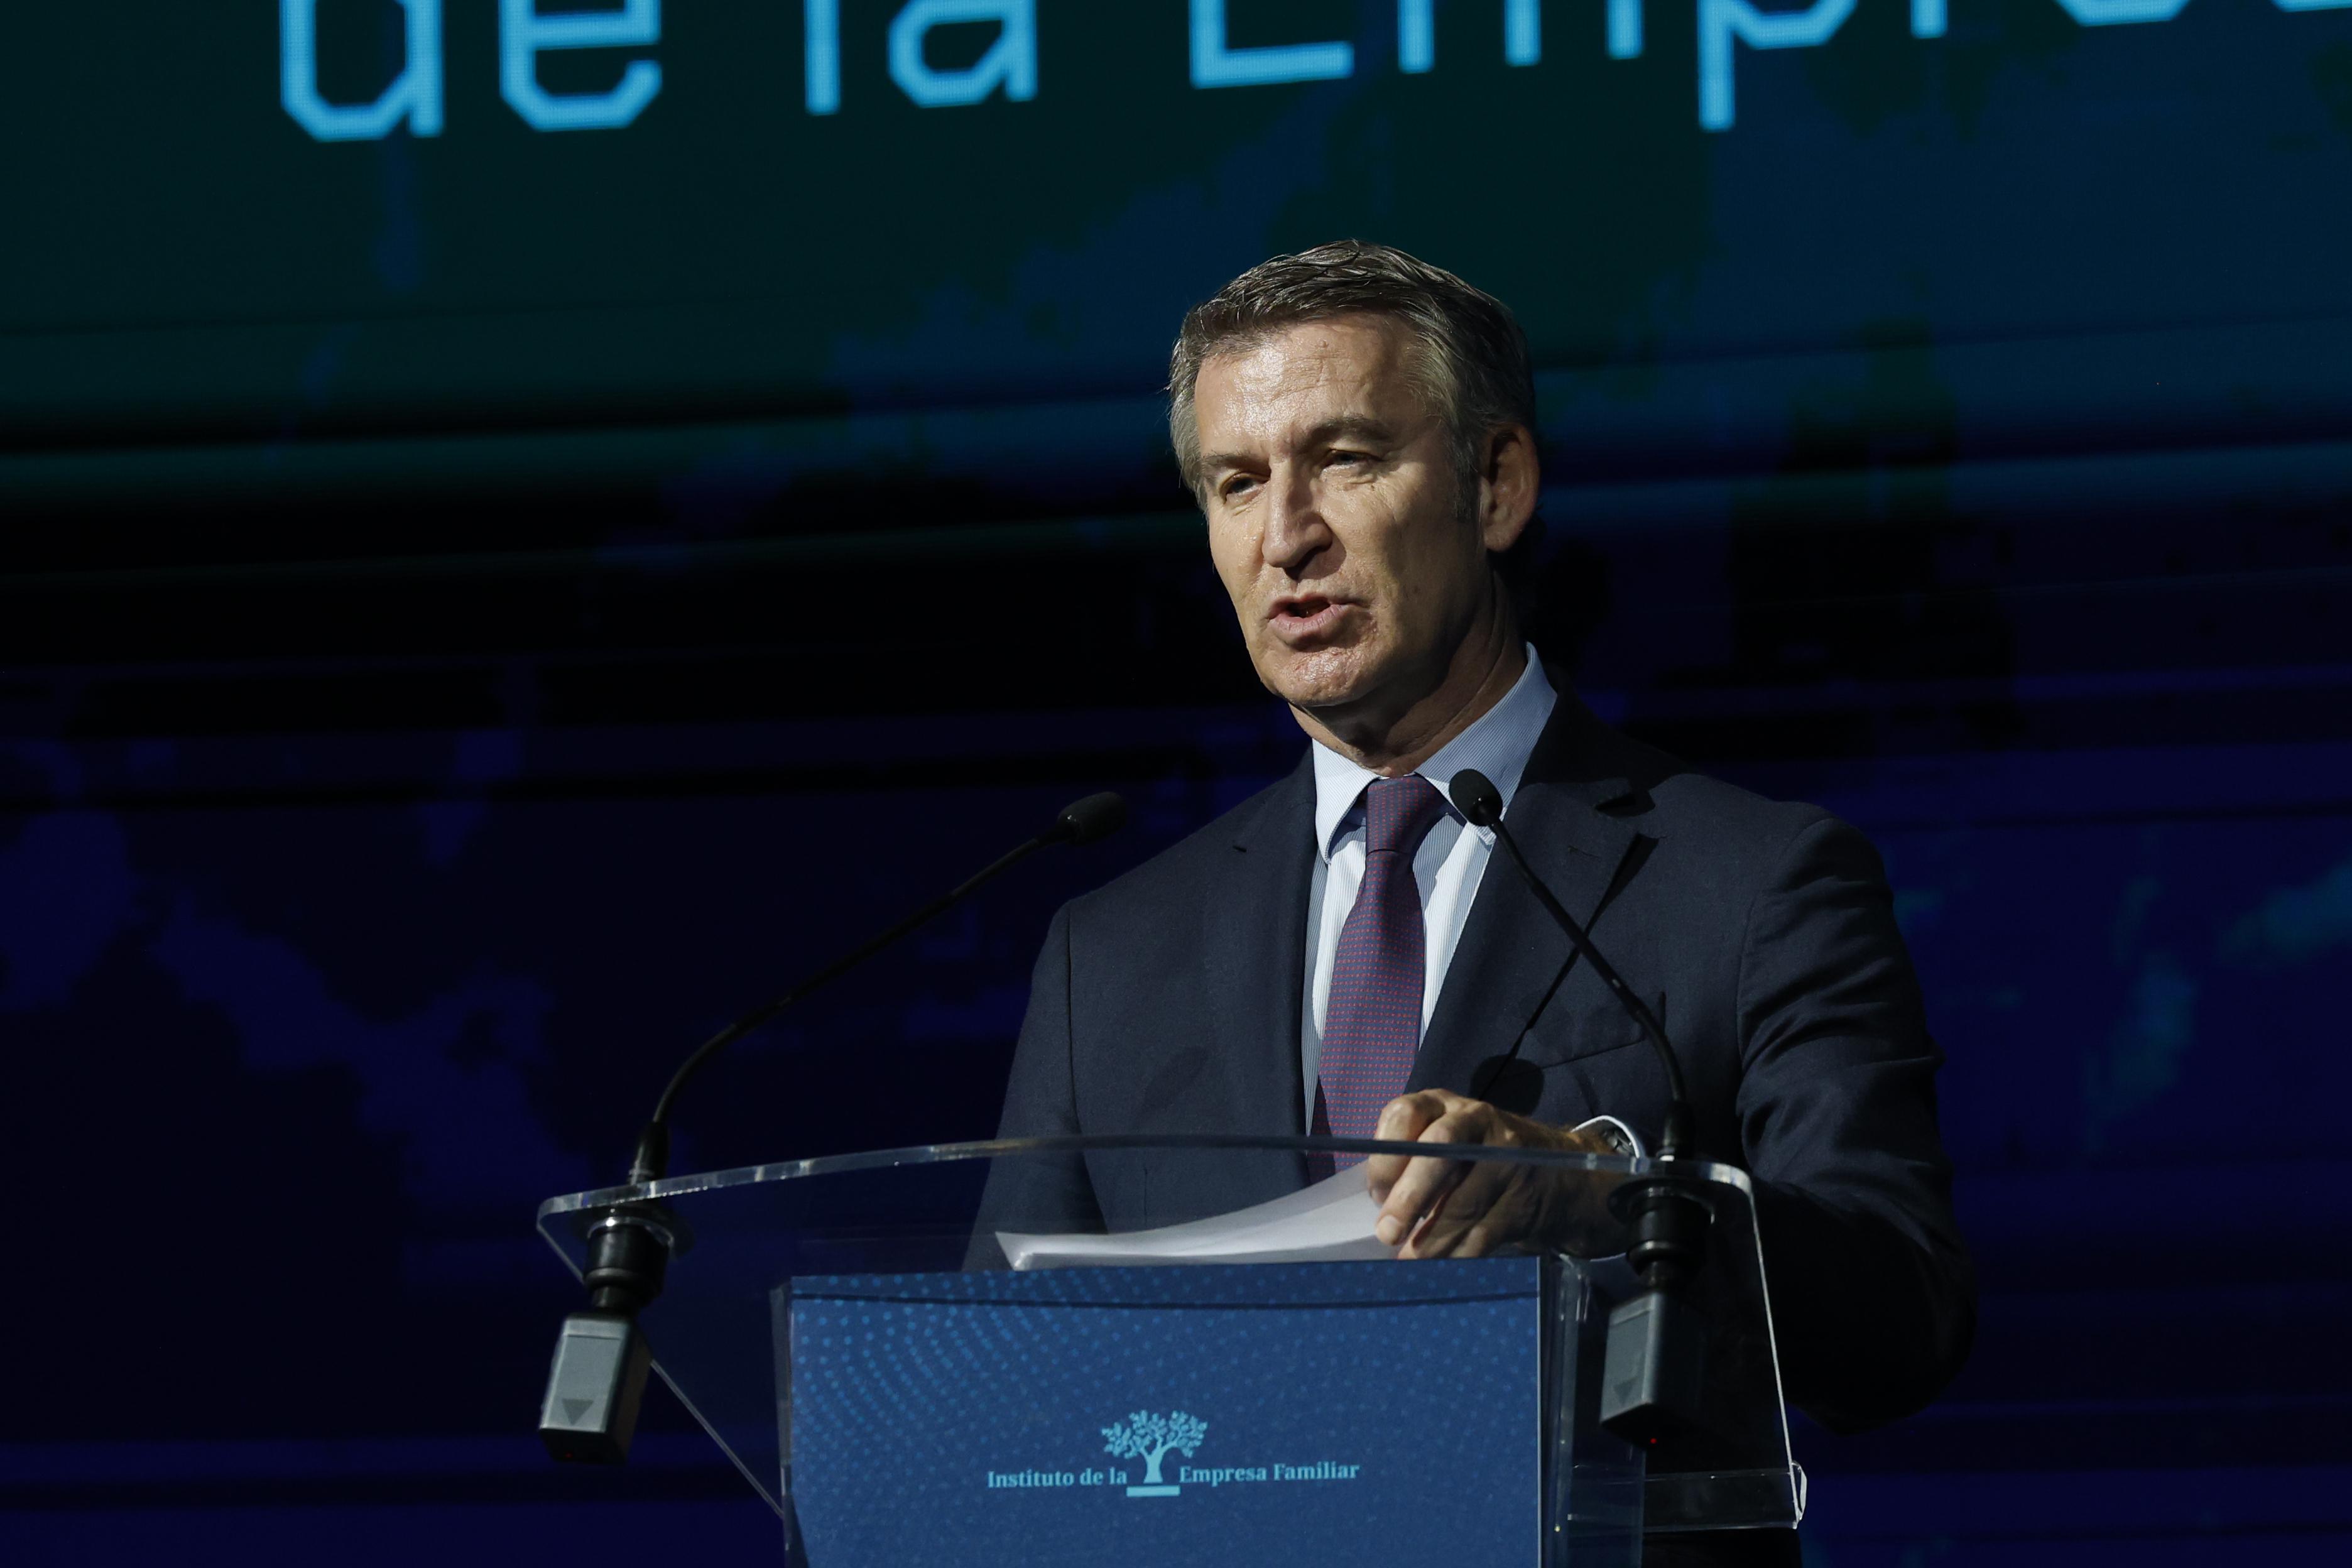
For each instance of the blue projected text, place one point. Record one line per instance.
(412, 99)
(524, 34)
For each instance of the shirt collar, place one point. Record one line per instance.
(1497, 744)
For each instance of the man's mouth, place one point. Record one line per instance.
(1306, 616)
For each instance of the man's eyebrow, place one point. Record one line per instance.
(1351, 427)
(1212, 462)
(1344, 427)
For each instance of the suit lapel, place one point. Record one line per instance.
(1511, 955)
(1254, 943)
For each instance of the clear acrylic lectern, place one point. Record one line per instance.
(847, 1330)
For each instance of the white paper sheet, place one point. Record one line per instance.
(1330, 1222)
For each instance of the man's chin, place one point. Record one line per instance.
(1333, 679)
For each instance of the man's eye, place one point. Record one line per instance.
(1351, 457)
(1235, 485)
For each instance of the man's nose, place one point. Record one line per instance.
(1295, 530)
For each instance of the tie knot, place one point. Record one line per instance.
(1399, 814)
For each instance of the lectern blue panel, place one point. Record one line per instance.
(1335, 1412)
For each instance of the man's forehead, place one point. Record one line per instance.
(1307, 372)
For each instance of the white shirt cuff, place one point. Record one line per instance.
(1621, 1139)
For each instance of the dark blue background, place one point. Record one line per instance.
(475, 611)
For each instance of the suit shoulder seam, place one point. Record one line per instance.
(1818, 820)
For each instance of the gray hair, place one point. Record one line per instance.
(1471, 365)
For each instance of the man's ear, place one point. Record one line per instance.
(1509, 476)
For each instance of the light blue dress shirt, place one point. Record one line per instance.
(1447, 868)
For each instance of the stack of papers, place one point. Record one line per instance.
(1330, 1222)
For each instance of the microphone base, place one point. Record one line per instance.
(1652, 1370)
(594, 1388)
(1653, 1367)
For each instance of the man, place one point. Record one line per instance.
(1339, 954)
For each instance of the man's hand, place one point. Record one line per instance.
(1459, 1208)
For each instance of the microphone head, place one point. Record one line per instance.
(1084, 821)
(1477, 798)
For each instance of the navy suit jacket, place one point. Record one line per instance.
(1763, 935)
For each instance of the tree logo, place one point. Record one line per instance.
(1146, 1436)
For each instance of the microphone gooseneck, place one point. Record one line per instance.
(1081, 822)
(1477, 799)
(1654, 1362)
(589, 1413)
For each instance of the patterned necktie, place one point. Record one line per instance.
(1371, 1024)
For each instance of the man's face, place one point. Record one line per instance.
(1336, 516)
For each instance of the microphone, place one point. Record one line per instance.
(1477, 798)
(590, 1410)
(1080, 822)
(1653, 1364)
